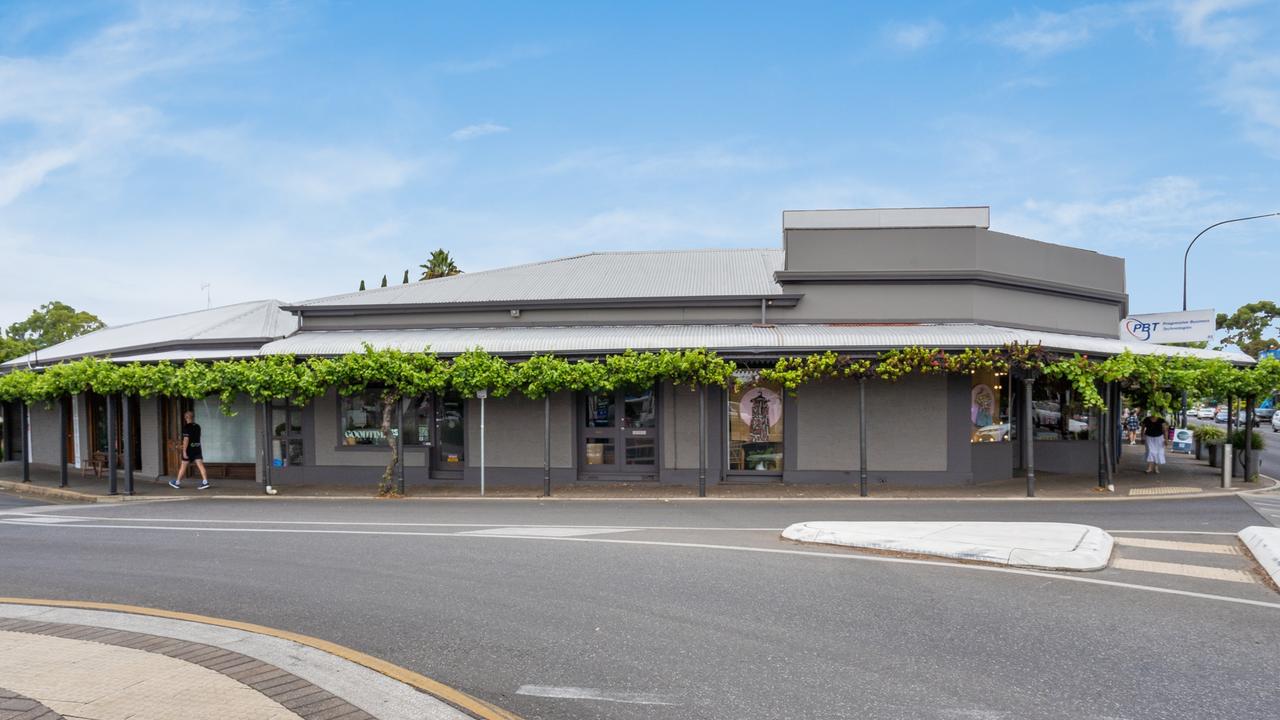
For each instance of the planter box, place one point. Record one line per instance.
(1255, 464)
(1215, 451)
(1195, 443)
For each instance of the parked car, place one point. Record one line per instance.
(1275, 423)
(1206, 413)
(1221, 415)
(1263, 415)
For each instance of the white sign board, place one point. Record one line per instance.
(1175, 327)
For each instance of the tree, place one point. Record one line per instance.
(52, 323)
(439, 265)
(361, 286)
(384, 281)
(1251, 328)
(405, 281)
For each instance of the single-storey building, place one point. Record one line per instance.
(858, 282)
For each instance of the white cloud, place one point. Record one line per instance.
(1245, 63)
(1047, 33)
(472, 132)
(701, 159)
(495, 61)
(914, 36)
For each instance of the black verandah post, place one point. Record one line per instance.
(62, 446)
(1028, 426)
(862, 436)
(128, 445)
(1248, 437)
(111, 445)
(24, 420)
(400, 445)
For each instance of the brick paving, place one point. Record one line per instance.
(90, 673)
(14, 706)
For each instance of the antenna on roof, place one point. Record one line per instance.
(208, 295)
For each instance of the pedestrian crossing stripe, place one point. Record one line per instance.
(1213, 548)
(1194, 571)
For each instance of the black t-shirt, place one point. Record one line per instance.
(1153, 427)
(192, 432)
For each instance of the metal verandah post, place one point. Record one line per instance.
(128, 445)
(62, 446)
(24, 422)
(400, 445)
(111, 445)
(546, 445)
(1028, 426)
(1104, 425)
(862, 436)
(1248, 438)
(702, 441)
(267, 449)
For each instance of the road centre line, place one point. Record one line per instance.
(696, 546)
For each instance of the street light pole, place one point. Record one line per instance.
(1197, 237)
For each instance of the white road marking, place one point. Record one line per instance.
(1168, 490)
(577, 693)
(1174, 545)
(833, 555)
(1195, 571)
(523, 531)
(602, 528)
(1168, 532)
(43, 520)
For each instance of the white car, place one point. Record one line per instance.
(1275, 423)
(1206, 412)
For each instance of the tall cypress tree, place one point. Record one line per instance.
(361, 286)
(384, 281)
(405, 281)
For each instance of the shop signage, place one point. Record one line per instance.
(1175, 327)
(1182, 440)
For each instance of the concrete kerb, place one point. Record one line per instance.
(74, 496)
(385, 690)
(1264, 543)
(1039, 545)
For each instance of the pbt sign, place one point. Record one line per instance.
(1177, 327)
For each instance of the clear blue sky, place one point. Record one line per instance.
(292, 149)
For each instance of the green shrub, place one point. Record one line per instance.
(1208, 434)
(1237, 440)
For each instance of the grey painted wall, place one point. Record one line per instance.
(45, 434)
(907, 425)
(149, 429)
(515, 432)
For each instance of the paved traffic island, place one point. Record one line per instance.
(1264, 543)
(85, 664)
(1040, 545)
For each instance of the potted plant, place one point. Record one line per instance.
(1207, 435)
(1255, 458)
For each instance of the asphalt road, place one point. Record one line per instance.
(696, 609)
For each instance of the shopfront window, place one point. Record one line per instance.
(990, 407)
(360, 416)
(755, 428)
(1058, 414)
(286, 434)
(226, 438)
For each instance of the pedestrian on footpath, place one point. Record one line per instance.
(191, 452)
(1154, 428)
(1131, 424)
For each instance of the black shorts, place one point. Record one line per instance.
(194, 453)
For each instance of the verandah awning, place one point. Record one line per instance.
(726, 339)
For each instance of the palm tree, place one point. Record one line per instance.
(439, 265)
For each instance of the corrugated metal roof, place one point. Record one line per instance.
(594, 276)
(249, 323)
(723, 338)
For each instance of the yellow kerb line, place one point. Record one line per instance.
(475, 706)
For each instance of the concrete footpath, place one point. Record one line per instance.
(1042, 545)
(95, 664)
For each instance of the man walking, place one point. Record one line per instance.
(191, 452)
